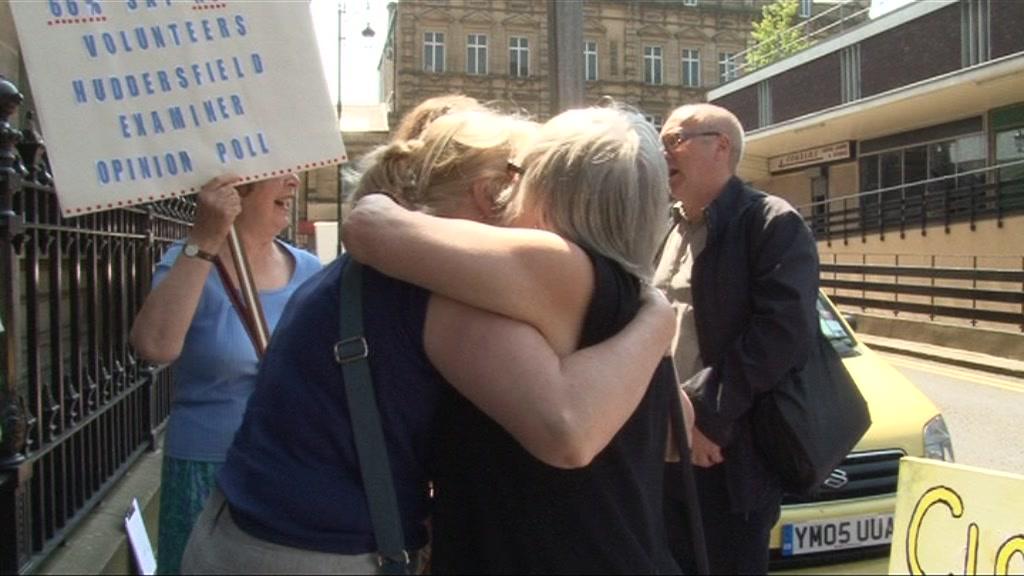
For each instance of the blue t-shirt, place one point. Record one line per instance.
(216, 371)
(292, 475)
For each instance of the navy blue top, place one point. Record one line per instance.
(292, 475)
(499, 510)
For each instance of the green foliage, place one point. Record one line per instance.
(774, 35)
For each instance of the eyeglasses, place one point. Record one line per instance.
(674, 139)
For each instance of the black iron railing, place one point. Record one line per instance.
(960, 288)
(76, 407)
(972, 289)
(991, 193)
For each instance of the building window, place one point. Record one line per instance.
(806, 8)
(764, 101)
(689, 2)
(476, 54)
(691, 68)
(590, 61)
(952, 168)
(656, 120)
(433, 52)
(1010, 150)
(726, 67)
(613, 57)
(849, 73)
(518, 57)
(975, 45)
(652, 65)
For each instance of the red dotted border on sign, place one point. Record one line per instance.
(209, 6)
(193, 190)
(83, 20)
(299, 168)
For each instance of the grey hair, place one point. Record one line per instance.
(597, 176)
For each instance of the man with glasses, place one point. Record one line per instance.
(741, 269)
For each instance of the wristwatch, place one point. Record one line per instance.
(193, 251)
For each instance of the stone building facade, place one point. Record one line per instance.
(654, 55)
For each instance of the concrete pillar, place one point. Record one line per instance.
(565, 54)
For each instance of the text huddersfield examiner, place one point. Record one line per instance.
(118, 88)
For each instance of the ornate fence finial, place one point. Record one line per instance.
(33, 152)
(10, 99)
(12, 413)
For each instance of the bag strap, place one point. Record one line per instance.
(677, 421)
(352, 353)
(676, 216)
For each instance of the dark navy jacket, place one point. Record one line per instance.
(755, 288)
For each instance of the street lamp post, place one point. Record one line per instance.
(565, 45)
(367, 32)
(341, 184)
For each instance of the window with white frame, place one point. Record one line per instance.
(433, 52)
(975, 24)
(726, 67)
(691, 68)
(806, 7)
(764, 104)
(656, 120)
(590, 61)
(518, 56)
(476, 54)
(689, 2)
(849, 73)
(652, 65)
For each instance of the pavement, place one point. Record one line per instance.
(963, 358)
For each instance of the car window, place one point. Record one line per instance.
(834, 329)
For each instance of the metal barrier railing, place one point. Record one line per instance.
(843, 15)
(76, 408)
(973, 289)
(969, 196)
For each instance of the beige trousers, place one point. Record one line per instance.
(218, 546)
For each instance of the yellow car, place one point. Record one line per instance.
(850, 518)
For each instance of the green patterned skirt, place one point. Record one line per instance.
(184, 487)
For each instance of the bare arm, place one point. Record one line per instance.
(530, 275)
(158, 332)
(563, 411)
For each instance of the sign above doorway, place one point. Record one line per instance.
(811, 156)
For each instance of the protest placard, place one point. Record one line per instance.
(955, 519)
(140, 100)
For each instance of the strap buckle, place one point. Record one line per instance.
(386, 560)
(351, 349)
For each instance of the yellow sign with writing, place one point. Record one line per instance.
(955, 519)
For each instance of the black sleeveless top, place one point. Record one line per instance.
(500, 510)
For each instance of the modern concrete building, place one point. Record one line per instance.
(902, 140)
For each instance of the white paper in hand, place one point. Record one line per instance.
(138, 538)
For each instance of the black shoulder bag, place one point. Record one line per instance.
(811, 420)
(807, 424)
(352, 353)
